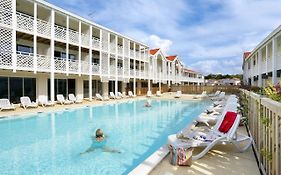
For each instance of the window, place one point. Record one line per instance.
(86, 88)
(96, 60)
(254, 62)
(16, 89)
(30, 88)
(24, 49)
(4, 87)
(62, 86)
(71, 86)
(63, 55)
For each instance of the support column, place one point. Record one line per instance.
(274, 57)
(139, 88)
(79, 50)
(116, 64)
(14, 36)
(134, 86)
(105, 89)
(149, 85)
(90, 65)
(67, 45)
(124, 87)
(35, 39)
(79, 86)
(160, 86)
(259, 62)
(52, 45)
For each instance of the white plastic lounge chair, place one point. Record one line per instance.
(220, 97)
(6, 105)
(178, 94)
(43, 101)
(112, 95)
(211, 137)
(119, 94)
(130, 93)
(158, 94)
(26, 103)
(148, 94)
(62, 100)
(124, 95)
(215, 94)
(72, 97)
(203, 95)
(99, 97)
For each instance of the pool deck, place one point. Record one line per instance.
(223, 159)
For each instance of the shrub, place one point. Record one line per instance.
(273, 91)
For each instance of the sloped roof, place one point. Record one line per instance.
(171, 58)
(246, 55)
(153, 51)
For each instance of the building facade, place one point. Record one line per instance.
(263, 64)
(45, 50)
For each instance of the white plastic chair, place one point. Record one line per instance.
(158, 94)
(72, 97)
(6, 105)
(119, 94)
(130, 93)
(178, 94)
(149, 94)
(43, 101)
(27, 103)
(62, 100)
(112, 95)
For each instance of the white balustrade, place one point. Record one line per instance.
(25, 60)
(85, 39)
(131, 53)
(120, 71)
(43, 27)
(132, 72)
(85, 67)
(73, 36)
(73, 66)
(120, 50)
(60, 32)
(43, 63)
(95, 68)
(96, 43)
(137, 55)
(60, 64)
(112, 69)
(6, 59)
(112, 47)
(5, 16)
(25, 22)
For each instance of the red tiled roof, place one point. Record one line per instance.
(171, 58)
(153, 51)
(246, 54)
(188, 70)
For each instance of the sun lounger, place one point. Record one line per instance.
(26, 103)
(62, 100)
(124, 95)
(43, 101)
(112, 95)
(72, 97)
(148, 94)
(99, 97)
(224, 131)
(178, 94)
(130, 93)
(215, 94)
(220, 97)
(119, 94)
(158, 94)
(6, 105)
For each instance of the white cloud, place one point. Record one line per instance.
(155, 41)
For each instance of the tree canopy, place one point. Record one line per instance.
(221, 76)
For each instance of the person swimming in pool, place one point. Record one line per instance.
(99, 142)
(147, 104)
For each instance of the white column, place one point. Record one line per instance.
(35, 39)
(108, 54)
(274, 57)
(149, 85)
(14, 36)
(79, 50)
(134, 68)
(52, 77)
(259, 62)
(90, 65)
(116, 63)
(105, 89)
(160, 86)
(67, 45)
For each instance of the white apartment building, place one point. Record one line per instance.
(46, 50)
(263, 64)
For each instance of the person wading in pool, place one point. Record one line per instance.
(99, 142)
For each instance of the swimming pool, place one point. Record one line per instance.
(51, 143)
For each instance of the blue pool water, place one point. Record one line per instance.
(51, 143)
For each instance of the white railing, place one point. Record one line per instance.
(43, 27)
(24, 22)
(96, 43)
(112, 69)
(73, 36)
(5, 16)
(132, 72)
(85, 39)
(25, 60)
(137, 73)
(112, 47)
(60, 64)
(95, 68)
(120, 50)
(73, 66)
(43, 63)
(6, 59)
(120, 71)
(85, 67)
(137, 55)
(60, 32)
(131, 53)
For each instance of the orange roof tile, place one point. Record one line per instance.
(171, 58)
(246, 54)
(188, 70)
(153, 51)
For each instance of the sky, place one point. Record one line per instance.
(209, 36)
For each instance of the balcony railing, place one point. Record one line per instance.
(85, 39)
(60, 64)
(112, 47)
(25, 60)
(95, 68)
(60, 32)
(43, 27)
(73, 36)
(24, 22)
(6, 59)
(85, 67)
(73, 66)
(120, 71)
(112, 69)
(137, 54)
(132, 53)
(120, 50)
(5, 17)
(43, 63)
(132, 72)
(96, 43)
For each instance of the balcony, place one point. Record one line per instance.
(60, 32)
(95, 68)
(112, 48)
(120, 50)
(96, 43)
(112, 69)
(6, 60)
(43, 28)
(74, 66)
(132, 72)
(132, 53)
(85, 67)
(138, 55)
(25, 61)
(120, 71)
(5, 17)
(43, 63)
(85, 39)
(24, 22)
(60, 64)
(73, 36)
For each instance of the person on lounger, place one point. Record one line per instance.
(99, 142)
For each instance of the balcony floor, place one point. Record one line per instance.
(222, 160)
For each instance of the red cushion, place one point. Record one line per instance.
(227, 122)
